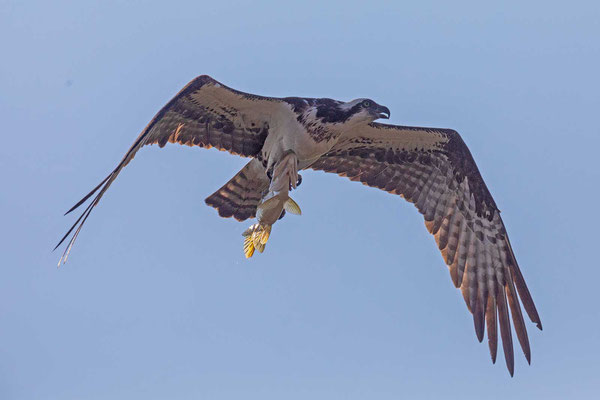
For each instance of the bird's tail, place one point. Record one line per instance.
(240, 196)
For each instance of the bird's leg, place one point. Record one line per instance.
(284, 177)
(285, 173)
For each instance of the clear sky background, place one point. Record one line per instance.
(352, 299)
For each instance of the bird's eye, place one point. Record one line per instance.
(366, 103)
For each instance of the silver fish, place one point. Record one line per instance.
(285, 176)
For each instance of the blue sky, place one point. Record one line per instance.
(349, 301)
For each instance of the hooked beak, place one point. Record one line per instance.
(383, 112)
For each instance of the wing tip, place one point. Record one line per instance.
(83, 217)
(87, 196)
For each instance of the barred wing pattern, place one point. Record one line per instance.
(204, 113)
(434, 169)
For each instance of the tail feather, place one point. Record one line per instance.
(240, 196)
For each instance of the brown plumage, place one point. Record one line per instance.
(429, 167)
(201, 114)
(240, 196)
(421, 165)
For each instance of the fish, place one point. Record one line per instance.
(267, 213)
(270, 209)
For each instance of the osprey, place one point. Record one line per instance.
(429, 167)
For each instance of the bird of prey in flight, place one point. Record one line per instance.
(430, 167)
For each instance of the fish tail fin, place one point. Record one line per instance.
(255, 238)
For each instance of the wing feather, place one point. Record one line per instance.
(434, 169)
(515, 310)
(205, 113)
(442, 213)
(492, 325)
(505, 332)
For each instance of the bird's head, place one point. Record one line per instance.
(365, 110)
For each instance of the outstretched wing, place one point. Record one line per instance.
(434, 169)
(204, 113)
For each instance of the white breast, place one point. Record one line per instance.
(286, 133)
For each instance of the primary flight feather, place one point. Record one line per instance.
(429, 167)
